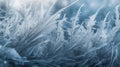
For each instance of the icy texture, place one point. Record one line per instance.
(59, 33)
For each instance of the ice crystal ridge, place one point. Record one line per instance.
(59, 33)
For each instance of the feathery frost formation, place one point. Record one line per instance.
(54, 33)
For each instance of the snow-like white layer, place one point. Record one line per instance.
(60, 38)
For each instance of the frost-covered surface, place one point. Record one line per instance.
(59, 33)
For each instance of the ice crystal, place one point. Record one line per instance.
(55, 33)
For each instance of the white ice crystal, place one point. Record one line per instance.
(59, 33)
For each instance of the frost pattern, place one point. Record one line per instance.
(59, 34)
